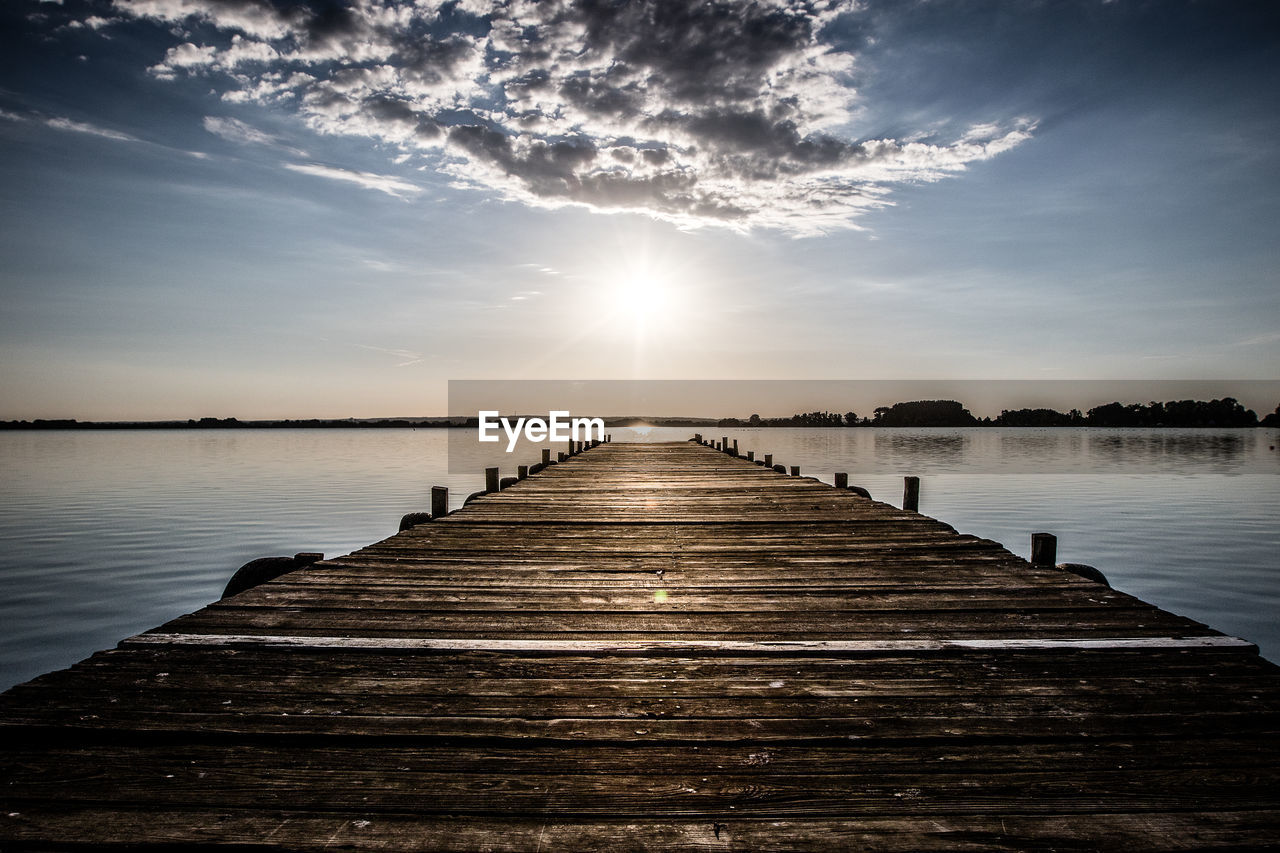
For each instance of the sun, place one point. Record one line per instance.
(641, 298)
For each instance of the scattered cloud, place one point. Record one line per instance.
(60, 123)
(237, 131)
(234, 130)
(1258, 340)
(382, 183)
(731, 113)
(93, 22)
(407, 357)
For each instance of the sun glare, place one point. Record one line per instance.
(641, 298)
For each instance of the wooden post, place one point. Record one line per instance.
(571, 447)
(724, 443)
(491, 479)
(795, 470)
(911, 494)
(546, 456)
(768, 460)
(561, 457)
(439, 501)
(580, 447)
(842, 480)
(735, 447)
(751, 456)
(1044, 549)
(522, 472)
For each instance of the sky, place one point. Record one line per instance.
(269, 208)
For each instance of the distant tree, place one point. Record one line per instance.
(850, 419)
(1272, 420)
(817, 419)
(1224, 413)
(1033, 418)
(754, 420)
(925, 413)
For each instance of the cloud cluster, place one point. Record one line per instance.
(737, 113)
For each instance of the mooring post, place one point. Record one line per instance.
(735, 447)
(842, 480)
(561, 457)
(491, 479)
(571, 447)
(795, 470)
(768, 460)
(522, 472)
(581, 447)
(1044, 549)
(546, 456)
(439, 501)
(751, 456)
(911, 494)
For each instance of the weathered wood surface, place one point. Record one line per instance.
(657, 647)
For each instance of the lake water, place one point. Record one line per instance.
(105, 534)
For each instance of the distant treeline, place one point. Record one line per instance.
(233, 423)
(1226, 412)
(322, 423)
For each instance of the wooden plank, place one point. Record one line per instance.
(825, 647)
(297, 829)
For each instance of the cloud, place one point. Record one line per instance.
(382, 183)
(235, 130)
(734, 113)
(1269, 338)
(59, 123)
(408, 357)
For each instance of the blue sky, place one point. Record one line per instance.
(276, 209)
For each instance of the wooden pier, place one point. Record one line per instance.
(657, 647)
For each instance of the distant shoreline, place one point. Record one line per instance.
(46, 426)
(1226, 413)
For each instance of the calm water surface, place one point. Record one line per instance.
(105, 534)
